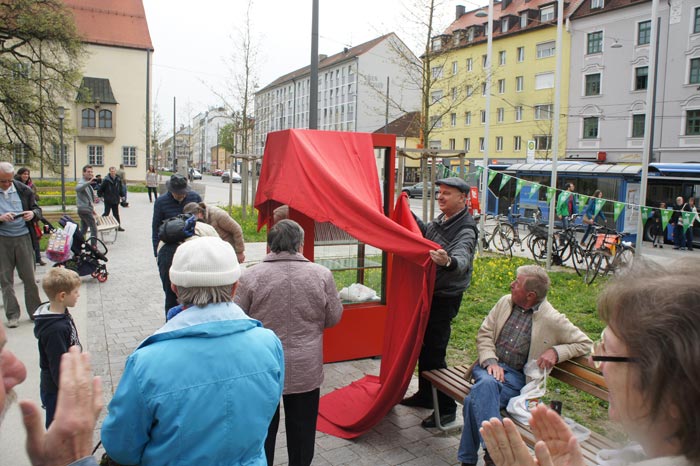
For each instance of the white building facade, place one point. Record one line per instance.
(352, 87)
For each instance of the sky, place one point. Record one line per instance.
(195, 40)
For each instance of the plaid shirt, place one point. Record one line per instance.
(513, 343)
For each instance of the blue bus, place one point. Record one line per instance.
(618, 182)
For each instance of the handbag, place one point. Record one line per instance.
(530, 395)
(586, 220)
(60, 241)
(38, 231)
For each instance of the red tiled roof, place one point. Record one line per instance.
(120, 23)
(407, 125)
(329, 61)
(513, 9)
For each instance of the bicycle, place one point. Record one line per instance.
(609, 255)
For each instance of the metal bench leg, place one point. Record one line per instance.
(436, 413)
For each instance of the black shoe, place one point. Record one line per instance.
(120, 229)
(417, 401)
(445, 419)
(487, 459)
(468, 464)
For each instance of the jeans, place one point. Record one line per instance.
(689, 237)
(300, 413)
(48, 400)
(678, 236)
(432, 354)
(486, 399)
(155, 193)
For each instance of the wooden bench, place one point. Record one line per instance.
(456, 382)
(106, 224)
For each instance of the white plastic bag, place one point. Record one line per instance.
(358, 292)
(530, 395)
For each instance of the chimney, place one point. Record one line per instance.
(460, 11)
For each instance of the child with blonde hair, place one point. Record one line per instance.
(55, 330)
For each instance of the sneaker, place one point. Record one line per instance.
(656, 245)
(661, 246)
(13, 323)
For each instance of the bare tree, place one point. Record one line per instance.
(40, 62)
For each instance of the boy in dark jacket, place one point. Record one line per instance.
(56, 331)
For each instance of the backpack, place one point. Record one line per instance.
(177, 229)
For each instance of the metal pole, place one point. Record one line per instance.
(555, 136)
(174, 139)
(61, 116)
(75, 162)
(648, 123)
(313, 80)
(484, 173)
(230, 184)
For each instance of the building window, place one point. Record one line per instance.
(483, 117)
(643, 32)
(454, 67)
(546, 50)
(483, 89)
(470, 90)
(484, 59)
(437, 72)
(694, 77)
(692, 122)
(597, 4)
(129, 156)
(499, 143)
(96, 155)
(467, 144)
(469, 64)
(436, 96)
(504, 25)
(523, 19)
(481, 144)
(517, 143)
(454, 94)
(436, 44)
(638, 122)
(547, 13)
(453, 119)
(593, 84)
(435, 122)
(519, 113)
(435, 144)
(594, 42)
(519, 83)
(502, 57)
(451, 142)
(468, 118)
(590, 128)
(544, 81)
(501, 86)
(696, 23)
(105, 117)
(641, 75)
(543, 112)
(20, 154)
(521, 54)
(57, 155)
(500, 113)
(543, 142)
(88, 118)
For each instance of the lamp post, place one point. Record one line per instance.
(61, 116)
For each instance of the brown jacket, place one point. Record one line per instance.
(228, 229)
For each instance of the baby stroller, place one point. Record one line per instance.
(86, 259)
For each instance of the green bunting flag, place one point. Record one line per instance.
(504, 179)
(618, 207)
(550, 193)
(687, 220)
(646, 212)
(492, 175)
(518, 186)
(582, 201)
(665, 217)
(534, 189)
(599, 203)
(479, 170)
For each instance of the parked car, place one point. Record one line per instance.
(195, 174)
(417, 190)
(218, 172)
(229, 175)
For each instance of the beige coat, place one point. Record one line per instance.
(228, 229)
(550, 329)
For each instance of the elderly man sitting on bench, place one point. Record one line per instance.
(520, 327)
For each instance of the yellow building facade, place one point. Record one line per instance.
(522, 85)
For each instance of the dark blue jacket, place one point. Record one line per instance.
(166, 206)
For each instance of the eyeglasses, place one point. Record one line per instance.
(598, 350)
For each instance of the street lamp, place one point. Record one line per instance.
(61, 116)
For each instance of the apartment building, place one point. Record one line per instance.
(522, 86)
(610, 75)
(352, 88)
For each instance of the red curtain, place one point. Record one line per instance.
(332, 177)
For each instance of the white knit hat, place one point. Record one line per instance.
(204, 262)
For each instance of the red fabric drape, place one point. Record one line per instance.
(332, 177)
